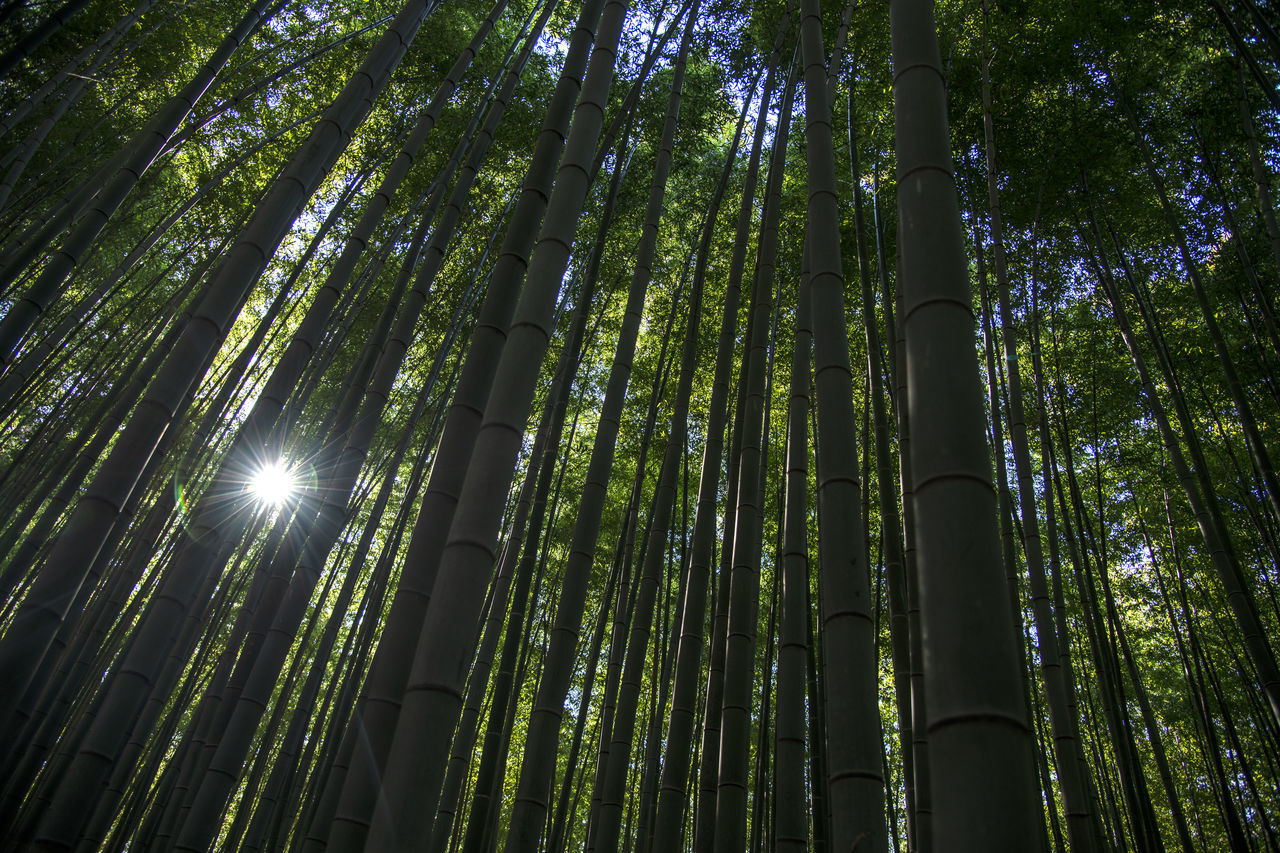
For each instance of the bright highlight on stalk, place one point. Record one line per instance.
(273, 484)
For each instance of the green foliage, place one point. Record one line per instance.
(1063, 77)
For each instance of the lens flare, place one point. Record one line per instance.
(273, 484)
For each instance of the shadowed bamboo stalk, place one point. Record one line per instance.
(891, 530)
(743, 578)
(1203, 503)
(791, 821)
(980, 746)
(483, 814)
(854, 744)
(98, 510)
(22, 371)
(19, 157)
(231, 750)
(375, 722)
(38, 36)
(1263, 301)
(1244, 410)
(79, 658)
(70, 69)
(270, 808)
(121, 175)
(672, 794)
(1261, 179)
(432, 699)
(1076, 804)
(610, 814)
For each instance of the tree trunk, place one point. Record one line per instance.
(416, 762)
(980, 760)
(854, 744)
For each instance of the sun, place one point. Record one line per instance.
(273, 484)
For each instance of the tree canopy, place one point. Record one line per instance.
(651, 425)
